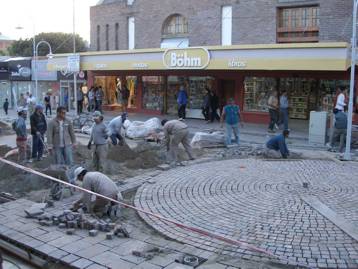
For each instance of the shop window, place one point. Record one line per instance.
(132, 87)
(298, 24)
(257, 92)
(116, 40)
(153, 92)
(98, 38)
(226, 25)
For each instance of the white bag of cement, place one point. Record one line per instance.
(140, 129)
(206, 140)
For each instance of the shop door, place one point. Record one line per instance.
(227, 91)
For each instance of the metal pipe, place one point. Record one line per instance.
(347, 153)
(74, 53)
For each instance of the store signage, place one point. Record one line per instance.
(236, 63)
(190, 58)
(140, 66)
(20, 69)
(73, 63)
(40, 71)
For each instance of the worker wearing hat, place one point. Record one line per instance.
(38, 129)
(19, 127)
(98, 183)
(99, 136)
(114, 127)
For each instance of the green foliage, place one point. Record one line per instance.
(60, 43)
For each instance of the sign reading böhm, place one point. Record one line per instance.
(190, 58)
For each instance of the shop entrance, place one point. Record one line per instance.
(227, 91)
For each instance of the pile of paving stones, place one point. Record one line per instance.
(71, 221)
(240, 151)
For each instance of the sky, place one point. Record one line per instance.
(36, 16)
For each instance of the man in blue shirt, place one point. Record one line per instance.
(182, 101)
(231, 114)
(276, 147)
(340, 129)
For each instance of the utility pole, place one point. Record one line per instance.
(347, 154)
(74, 53)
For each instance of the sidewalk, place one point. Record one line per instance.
(250, 133)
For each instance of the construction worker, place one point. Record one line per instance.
(61, 137)
(101, 184)
(114, 128)
(276, 147)
(99, 136)
(176, 132)
(38, 129)
(19, 126)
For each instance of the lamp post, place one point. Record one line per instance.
(347, 153)
(35, 60)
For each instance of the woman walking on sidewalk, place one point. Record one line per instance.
(273, 110)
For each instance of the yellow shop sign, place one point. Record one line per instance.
(190, 58)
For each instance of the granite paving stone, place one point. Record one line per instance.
(81, 263)
(113, 260)
(92, 251)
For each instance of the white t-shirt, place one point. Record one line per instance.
(340, 102)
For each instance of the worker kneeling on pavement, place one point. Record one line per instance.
(99, 136)
(101, 184)
(176, 132)
(114, 128)
(276, 147)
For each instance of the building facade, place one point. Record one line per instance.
(243, 49)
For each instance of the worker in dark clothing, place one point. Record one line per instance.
(38, 130)
(214, 105)
(276, 147)
(340, 130)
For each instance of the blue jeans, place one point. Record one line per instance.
(116, 138)
(37, 146)
(63, 155)
(284, 118)
(229, 129)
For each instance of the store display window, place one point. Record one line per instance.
(132, 85)
(153, 92)
(257, 93)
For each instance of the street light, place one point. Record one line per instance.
(347, 153)
(50, 55)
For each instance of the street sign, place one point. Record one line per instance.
(73, 63)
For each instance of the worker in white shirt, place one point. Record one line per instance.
(341, 99)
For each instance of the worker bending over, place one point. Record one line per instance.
(101, 184)
(176, 132)
(114, 128)
(276, 147)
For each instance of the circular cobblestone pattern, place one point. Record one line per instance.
(260, 202)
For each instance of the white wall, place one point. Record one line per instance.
(226, 25)
(131, 33)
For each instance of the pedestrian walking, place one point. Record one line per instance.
(114, 128)
(205, 108)
(340, 130)
(341, 99)
(214, 106)
(61, 138)
(98, 183)
(276, 147)
(99, 98)
(232, 117)
(284, 110)
(22, 101)
(19, 126)
(176, 132)
(125, 96)
(182, 101)
(91, 100)
(31, 103)
(38, 129)
(6, 106)
(47, 101)
(273, 110)
(79, 101)
(99, 136)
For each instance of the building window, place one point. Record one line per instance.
(130, 2)
(131, 33)
(98, 37)
(107, 37)
(175, 25)
(116, 45)
(299, 24)
(226, 25)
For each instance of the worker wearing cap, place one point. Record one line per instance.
(38, 130)
(114, 128)
(98, 183)
(99, 136)
(176, 132)
(19, 127)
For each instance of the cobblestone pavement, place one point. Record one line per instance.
(259, 202)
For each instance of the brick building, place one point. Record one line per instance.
(238, 48)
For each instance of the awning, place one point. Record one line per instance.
(305, 57)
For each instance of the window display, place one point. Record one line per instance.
(153, 92)
(132, 87)
(257, 93)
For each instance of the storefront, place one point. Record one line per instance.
(66, 95)
(310, 73)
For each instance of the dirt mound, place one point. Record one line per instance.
(5, 129)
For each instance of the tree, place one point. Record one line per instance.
(60, 43)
